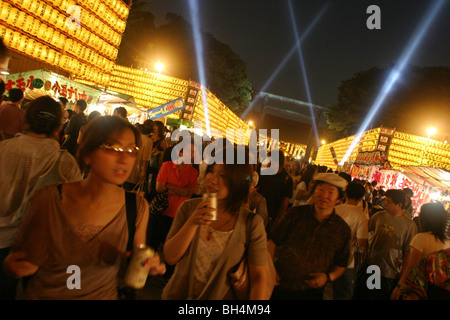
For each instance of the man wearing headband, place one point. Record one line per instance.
(311, 245)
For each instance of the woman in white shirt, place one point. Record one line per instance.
(303, 190)
(431, 238)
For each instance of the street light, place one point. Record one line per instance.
(323, 142)
(159, 66)
(431, 131)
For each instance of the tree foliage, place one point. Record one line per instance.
(419, 98)
(143, 44)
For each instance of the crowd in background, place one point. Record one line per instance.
(66, 177)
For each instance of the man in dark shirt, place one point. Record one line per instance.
(73, 128)
(311, 245)
(12, 117)
(277, 189)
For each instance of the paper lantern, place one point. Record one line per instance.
(21, 19)
(28, 24)
(23, 43)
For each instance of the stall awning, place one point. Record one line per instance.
(116, 98)
(433, 176)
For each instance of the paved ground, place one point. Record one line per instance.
(153, 289)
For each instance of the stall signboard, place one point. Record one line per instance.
(371, 158)
(333, 154)
(385, 139)
(41, 82)
(166, 109)
(191, 98)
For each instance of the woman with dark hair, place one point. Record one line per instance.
(139, 172)
(83, 224)
(92, 116)
(68, 113)
(431, 238)
(295, 173)
(205, 250)
(30, 160)
(159, 143)
(303, 191)
(159, 146)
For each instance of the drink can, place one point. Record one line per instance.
(212, 197)
(137, 273)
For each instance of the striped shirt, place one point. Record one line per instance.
(23, 160)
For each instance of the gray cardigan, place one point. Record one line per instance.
(217, 288)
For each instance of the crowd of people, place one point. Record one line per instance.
(64, 203)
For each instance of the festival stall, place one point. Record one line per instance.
(427, 184)
(396, 160)
(42, 82)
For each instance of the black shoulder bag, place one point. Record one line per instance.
(124, 292)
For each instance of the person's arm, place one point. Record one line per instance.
(17, 266)
(154, 264)
(258, 279)
(272, 248)
(283, 208)
(320, 279)
(162, 178)
(181, 191)
(411, 259)
(362, 245)
(176, 246)
(160, 186)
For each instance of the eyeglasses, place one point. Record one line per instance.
(133, 151)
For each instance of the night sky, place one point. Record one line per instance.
(340, 44)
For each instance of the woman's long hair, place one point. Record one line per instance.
(308, 175)
(238, 178)
(433, 218)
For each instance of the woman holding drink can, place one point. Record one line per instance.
(74, 235)
(204, 250)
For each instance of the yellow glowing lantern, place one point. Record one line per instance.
(21, 19)
(11, 18)
(60, 21)
(15, 40)
(42, 31)
(44, 53)
(32, 6)
(46, 12)
(53, 17)
(50, 58)
(37, 51)
(62, 61)
(84, 35)
(64, 5)
(36, 26)
(30, 47)
(26, 4)
(28, 25)
(58, 57)
(23, 43)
